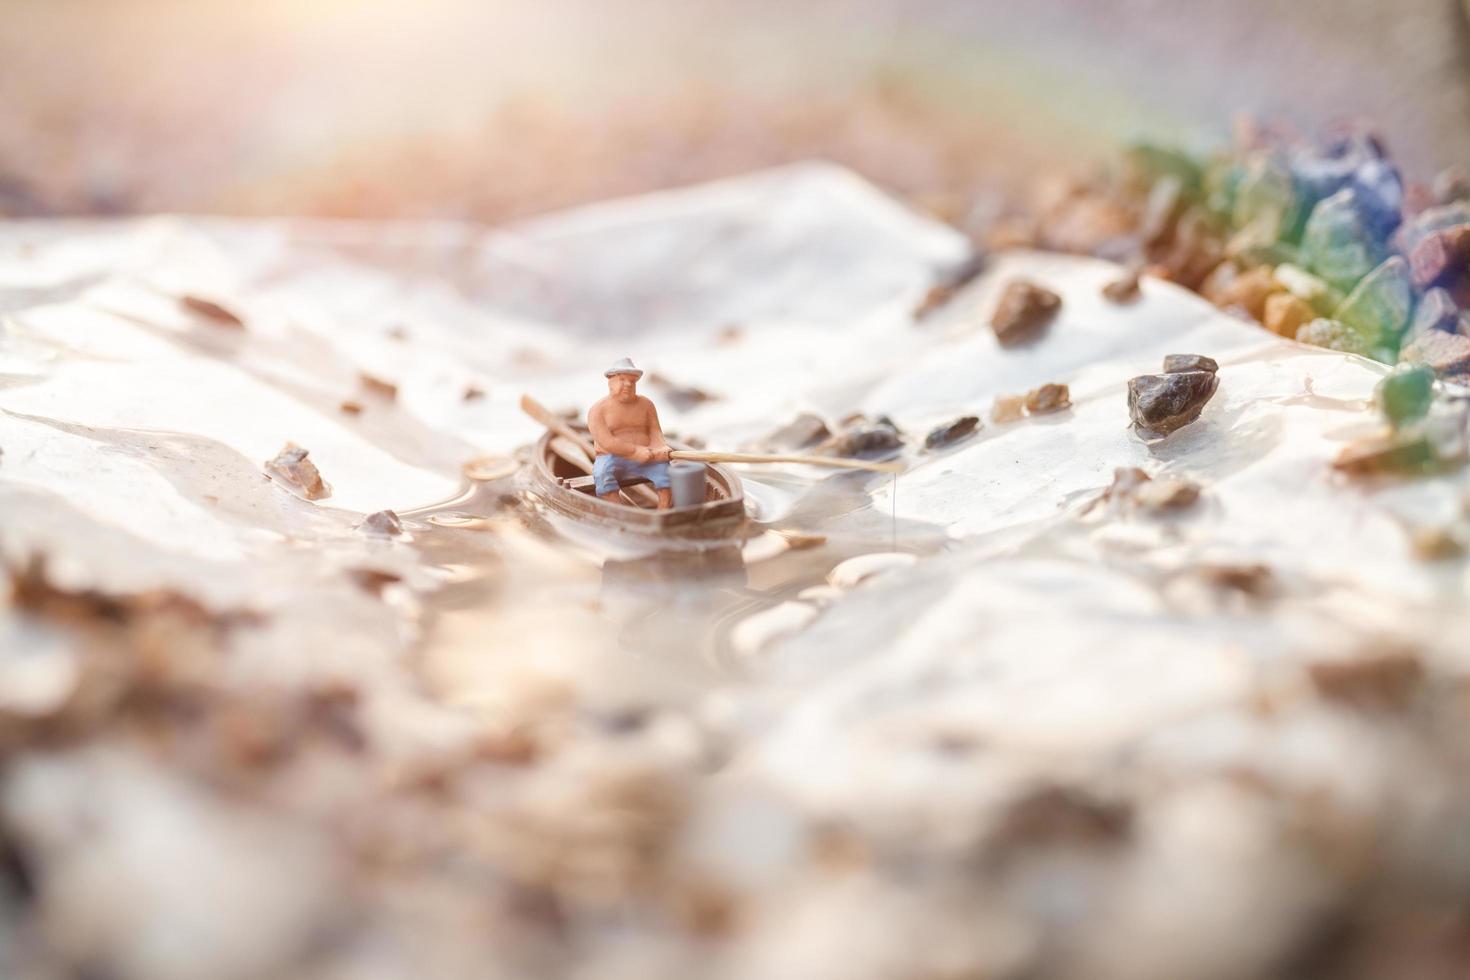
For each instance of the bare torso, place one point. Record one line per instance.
(635, 422)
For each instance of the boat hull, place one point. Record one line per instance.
(720, 517)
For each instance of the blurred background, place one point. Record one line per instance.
(493, 109)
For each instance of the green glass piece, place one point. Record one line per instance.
(1266, 200)
(1405, 394)
(1379, 307)
(1156, 162)
(1337, 243)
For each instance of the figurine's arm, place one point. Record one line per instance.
(656, 441)
(609, 442)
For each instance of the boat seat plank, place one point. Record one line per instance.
(587, 482)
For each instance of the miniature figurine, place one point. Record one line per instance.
(627, 437)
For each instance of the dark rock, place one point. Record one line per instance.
(1161, 403)
(473, 393)
(864, 440)
(1023, 310)
(383, 522)
(950, 283)
(1048, 398)
(1174, 363)
(682, 397)
(951, 433)
(1125, 288)
(805, 430)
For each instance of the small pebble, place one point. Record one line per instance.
(1386, 453)
(1432, 220)
(1380, 681)
(1249, 291)
(1124, 289)
(1286, 313)
(1174, 363)
(683, 397)
(803, 431)
(1047, 399)
(1252, 579)
(1435, 544)
(1439, 260)
(951, 432)
(949, 284)
(1445, 353)
(378, 387)
(1023, 310)
(383, 522)
(293, 468)
(1008, 408)
(1328, 333)
(1163, 403)
(372, 580)
(351, 408)
(1167, 493)
(211, 310)
(864, 440)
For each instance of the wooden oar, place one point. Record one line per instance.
(547, 418)
(574, 438)
(837, 461)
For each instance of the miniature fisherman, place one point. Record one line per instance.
(627, 436)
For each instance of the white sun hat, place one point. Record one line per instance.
(623, 366)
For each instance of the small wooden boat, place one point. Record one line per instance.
(568, 490)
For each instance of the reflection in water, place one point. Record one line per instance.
(537, 609)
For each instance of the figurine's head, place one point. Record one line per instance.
(622, 380)
(623, 387)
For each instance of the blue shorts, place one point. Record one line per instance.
(610, 472)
